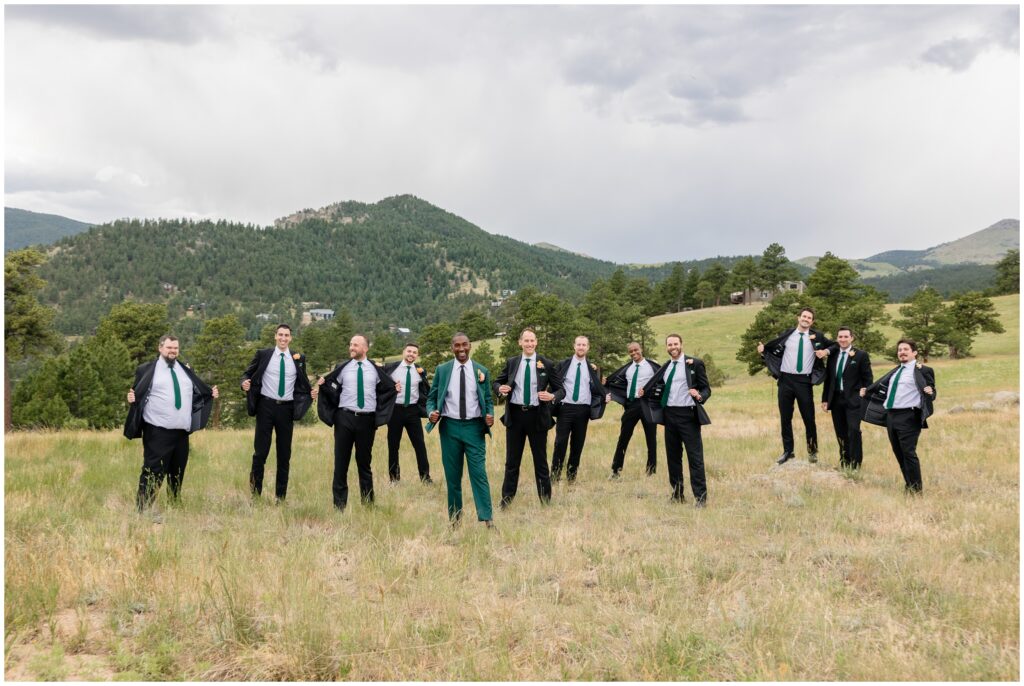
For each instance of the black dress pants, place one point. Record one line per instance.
(406, 418)
(271, 417)
(682, 428)
(631, 414)
(525, 425)
(571, 433)
(164, 452)
(797, 387)
(904, 428)
(846, 421)
(351, 430)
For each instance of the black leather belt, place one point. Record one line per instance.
(358, 414)
(526, 408)
(284, 402)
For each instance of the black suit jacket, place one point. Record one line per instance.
(548, 379)
(328, 399)
(696, 378)
(423, 387)
(618, 384)
(202, 398)
(302, 394)
(856, 375)
(774, 349)
(878, 392)
(597, 389)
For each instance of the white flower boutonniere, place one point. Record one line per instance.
(852, 353)
(812, 337)
(480, 376)
(919, 365)
(540, 365)
(689, 360)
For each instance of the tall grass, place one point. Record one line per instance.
(799, 572)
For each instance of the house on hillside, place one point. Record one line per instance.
(321, 314)
(765, 295)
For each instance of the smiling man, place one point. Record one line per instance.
(848, 370)
(411, 406)
(581, 398)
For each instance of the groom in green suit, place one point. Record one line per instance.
(461, 396)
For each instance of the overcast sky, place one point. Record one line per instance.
(634, 134)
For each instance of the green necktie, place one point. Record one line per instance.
(800, 356)
(632, 386)
(408, 384)
(526, 382)
(280, 381)
(576, 386)
(359, 385)
(892, 389)
(839, 369)
(177, 388)
(668, 384)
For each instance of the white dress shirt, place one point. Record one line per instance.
(398, 375)
(907, 395)
(350, 388)
(570, 381)
(679, 393)
(273, 372)
(789, 354)
(646, 371)
(159, 408)
(451, 398)
(517, 392)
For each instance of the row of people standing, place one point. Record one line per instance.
(360, 396)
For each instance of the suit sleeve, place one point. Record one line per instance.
(502, 379)
(929, 377)
(251, 369)
(432, 396)
(557, 381)
(866, 376)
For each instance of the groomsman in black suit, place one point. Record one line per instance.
(411, 406)
(581, 398)
(357, 397)
(848, 370)
(795, 359)
(675, 397)
(530, 382)
(167, 402)
(907, 394)
(277, 394)
(626, 387)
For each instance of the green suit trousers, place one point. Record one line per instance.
(466, 437)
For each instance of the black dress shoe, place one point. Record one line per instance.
(812, 458)
(785, 458)
(427, 480)
(615, 476)
(489, 523)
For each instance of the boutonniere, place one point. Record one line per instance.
(852, 353)
(593, 366)
(480, 376)
(186, 365)
(378, 364)
(540, 365)
(689, 360)
(419, 370)
(812, 337)
(919, 365)
(296, 356)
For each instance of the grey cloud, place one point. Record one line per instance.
(169, 24)
(956, 54)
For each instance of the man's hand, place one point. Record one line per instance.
(434, 417)
(316, 392)
(216, 393)
(489, 420)
(246, 384)
(545, 396)
(929, 390)
(694, 394)
(398, 386)
(640, 393)
(608, 397)
(863, 392)
(760, 348)
(504, 389)
(131, 396)
(824, 406)
(320, 381)
(821, 354)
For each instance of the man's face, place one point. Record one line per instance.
(905, 353)
(357, 348)
(674, 346)
(636, 353)
(460, 348)
(845, 339)
(528, 343)
(169, 350)
(806, 320)
(410, 354)
(283, 338)
(582, 346)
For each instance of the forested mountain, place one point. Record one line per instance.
(399, 261)
(947, 280)
(23, 228)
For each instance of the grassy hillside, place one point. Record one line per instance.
(793, 573)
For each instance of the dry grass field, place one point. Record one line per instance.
(800, 572)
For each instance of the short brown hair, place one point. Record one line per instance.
(909, 341)
(167, 337)
(808, 309)
(673, 335)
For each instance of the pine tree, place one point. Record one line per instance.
(926, 321)
(218, 357)
(37, 399)
(1008, 270)
(774, 268)
(839, 298)
(138, 326)
(717, 277)
(744, 277)
(970, 314)
(436, 345)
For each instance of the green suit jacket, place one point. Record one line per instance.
(439, 389)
